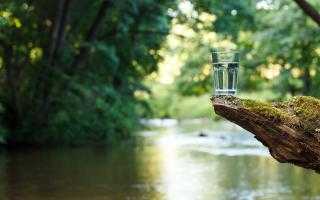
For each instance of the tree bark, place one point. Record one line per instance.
(59, 29)
(11, 104)
(44, 82)
(309, 10)
(286, 143)
(90, 36)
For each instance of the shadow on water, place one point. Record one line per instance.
(171, 163)
(90, 173)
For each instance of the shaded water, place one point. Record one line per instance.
(170, 163)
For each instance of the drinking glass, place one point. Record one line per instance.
(225, 72)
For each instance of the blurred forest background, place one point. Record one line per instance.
(79, 71)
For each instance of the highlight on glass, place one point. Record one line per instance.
(225, 71)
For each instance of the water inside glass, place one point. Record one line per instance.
(225, 71)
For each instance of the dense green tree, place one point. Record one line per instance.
(278, 42)
(290, 39)
(232, 16)
(70, 69)
(233, 20)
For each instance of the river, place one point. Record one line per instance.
(169, 162)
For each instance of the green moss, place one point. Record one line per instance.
(268, 110)
(306, 107)
(301, 112)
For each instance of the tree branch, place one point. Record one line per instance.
(309, 10)
(43, 83)
(59, 29)
(289, 129)
(91, 35)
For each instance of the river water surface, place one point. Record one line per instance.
(170, 162)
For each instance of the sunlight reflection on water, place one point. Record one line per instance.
(170, 162)
(227, 164)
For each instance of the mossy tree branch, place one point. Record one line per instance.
(291, 130)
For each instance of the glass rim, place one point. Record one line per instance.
(225, 56)
(224, 51)
(216, 63)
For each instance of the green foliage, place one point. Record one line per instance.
(290, 39)
(85, 83)
(193, 107)
(279, 47)
(232, 16)
(85, 91)
(101, 114)
(233, 23)
(165, 102)
(192, 80)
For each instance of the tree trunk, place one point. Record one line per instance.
(59, 29)
(12, 115)
(309, 10)
(44, 82)
(91, 36)
(291, 130)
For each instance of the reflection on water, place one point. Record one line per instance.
(170, 163)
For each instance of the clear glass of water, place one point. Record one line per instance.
(225, 72)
